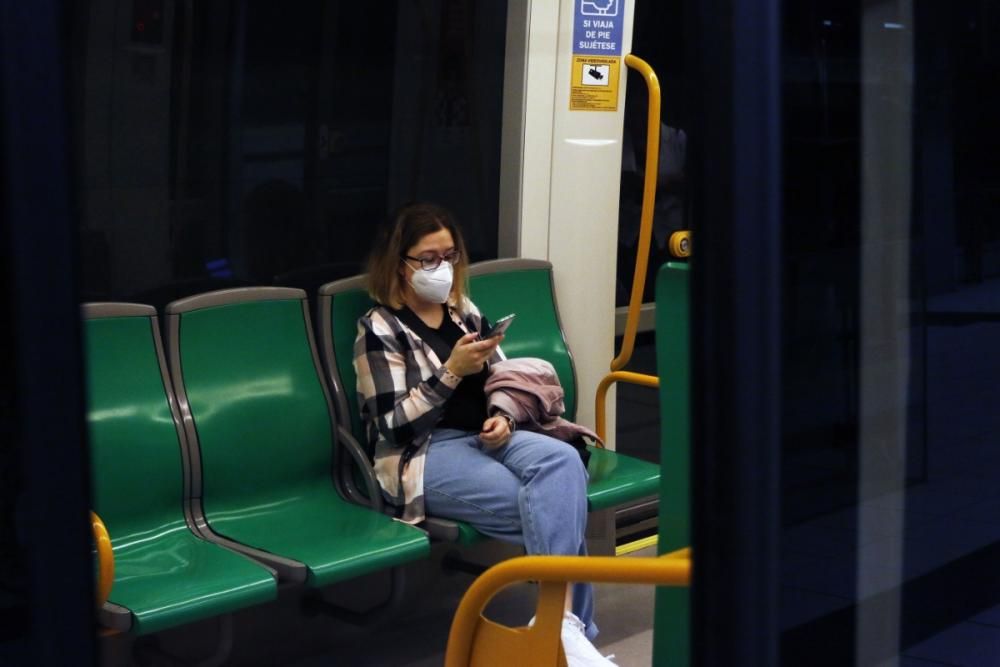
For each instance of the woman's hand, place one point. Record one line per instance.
(496, 432)
(469, 354)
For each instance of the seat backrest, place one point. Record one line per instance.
(524, 286)
(340, 305)
(245, 369)
(136, 442)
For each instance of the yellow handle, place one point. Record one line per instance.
(474, 640)
(600, 409)
(648, 202)
(680, 244)
(105, 559)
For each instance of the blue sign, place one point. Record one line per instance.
(597, 28)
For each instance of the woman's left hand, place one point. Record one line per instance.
(496, 432)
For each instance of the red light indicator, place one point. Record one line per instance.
(147, 21)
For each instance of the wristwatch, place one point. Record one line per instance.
(511, 424)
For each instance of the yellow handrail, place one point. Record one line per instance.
(475, 641)
(105, 559)
(641, 253)
(648, 202)
(600, 408)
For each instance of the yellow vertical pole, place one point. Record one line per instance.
(648, 202)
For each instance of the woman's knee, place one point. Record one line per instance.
(558, 455)
(566, 456)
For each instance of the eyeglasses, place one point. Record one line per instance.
(431, 263)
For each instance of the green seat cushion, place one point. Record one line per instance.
(177, 578)
(467, 534)
(311, 524)
(618, 478)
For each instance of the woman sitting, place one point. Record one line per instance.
(421, 369)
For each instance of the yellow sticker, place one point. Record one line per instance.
(594, 84)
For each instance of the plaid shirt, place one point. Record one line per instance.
(402, 389)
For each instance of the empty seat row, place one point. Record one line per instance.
(215, 480)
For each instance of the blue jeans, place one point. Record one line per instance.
(531, 491)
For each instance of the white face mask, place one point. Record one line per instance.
(433, 286)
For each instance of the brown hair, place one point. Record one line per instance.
(410, 224)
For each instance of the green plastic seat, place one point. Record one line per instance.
(164, 574)
(498, 287)
(259, 419)
(617, 479)
(524, 286)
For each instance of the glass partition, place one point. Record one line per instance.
(242, 143)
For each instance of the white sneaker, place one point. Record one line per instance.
(579, 651)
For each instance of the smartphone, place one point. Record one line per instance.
(498, 327)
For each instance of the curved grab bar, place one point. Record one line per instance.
(105, 559)
(648, 201)
(475, 641)
(600, 409)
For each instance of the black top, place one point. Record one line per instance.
(465, 409)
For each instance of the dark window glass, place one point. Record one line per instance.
(261, 143)
(14, 595)
(891, 298)
(658, 38)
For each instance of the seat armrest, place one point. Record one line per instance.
(372, 487)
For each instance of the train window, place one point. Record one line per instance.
(891, 276)
(259, 143)
(657, 38)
